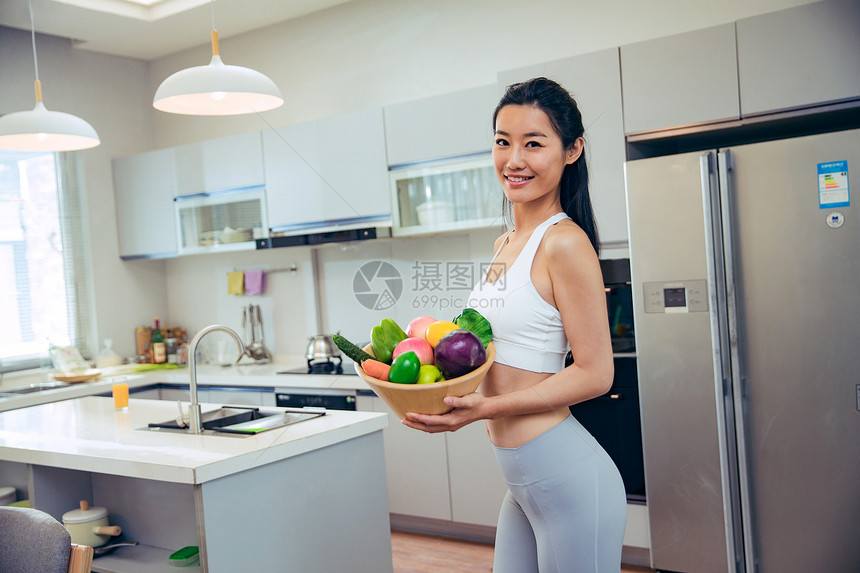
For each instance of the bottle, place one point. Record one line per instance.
(159, 350)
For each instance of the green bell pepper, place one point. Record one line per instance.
(405, 368)
(384, 337)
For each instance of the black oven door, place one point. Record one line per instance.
(330, 400)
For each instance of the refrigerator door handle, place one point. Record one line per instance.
(720, 338)
(738, 383)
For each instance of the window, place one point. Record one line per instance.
(44, 286)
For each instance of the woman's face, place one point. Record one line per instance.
(528, 154)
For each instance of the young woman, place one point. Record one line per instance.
(565, 509)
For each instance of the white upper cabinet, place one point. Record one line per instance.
(444, 126)
(327, 172)
(805, 55)
(680, 80)
(594, 80)
(144, 187)
(217, 164)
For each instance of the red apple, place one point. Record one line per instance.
(417, 345)
(417, 327)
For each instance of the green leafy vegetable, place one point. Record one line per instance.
(472, 320)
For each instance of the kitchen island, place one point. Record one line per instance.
(307, 497)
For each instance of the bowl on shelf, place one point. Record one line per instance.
(426, 398)
(435, 212)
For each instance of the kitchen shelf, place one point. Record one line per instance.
(138, 559)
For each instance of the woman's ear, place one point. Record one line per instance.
(574, 151)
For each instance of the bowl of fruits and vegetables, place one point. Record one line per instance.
(412, 370)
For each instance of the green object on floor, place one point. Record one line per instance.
(22, 503)
(186, 556)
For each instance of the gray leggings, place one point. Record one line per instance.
(565, 509)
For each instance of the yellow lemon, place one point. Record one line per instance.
(439, 329)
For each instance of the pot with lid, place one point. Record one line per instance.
(89, 525)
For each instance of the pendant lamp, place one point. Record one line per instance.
(41, 129)
(217, 89)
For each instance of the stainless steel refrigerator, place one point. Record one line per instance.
(746, 283)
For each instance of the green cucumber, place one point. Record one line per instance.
(351, 350)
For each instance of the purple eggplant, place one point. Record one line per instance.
(459, 352)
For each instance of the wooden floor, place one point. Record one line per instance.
(415, 553)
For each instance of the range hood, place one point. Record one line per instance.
(334, 231)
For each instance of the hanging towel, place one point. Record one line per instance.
(236, 282)
(255, 282)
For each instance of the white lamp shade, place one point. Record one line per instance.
(217, 89)
(43, 130)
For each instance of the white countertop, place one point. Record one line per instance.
(89, 434)
(250, 376)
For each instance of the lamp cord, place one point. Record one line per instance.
(212, 4)
(33, 32)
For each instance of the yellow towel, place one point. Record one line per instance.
(236, 282)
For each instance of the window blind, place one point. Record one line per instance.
(45, 283)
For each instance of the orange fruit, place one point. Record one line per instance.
(439, 329)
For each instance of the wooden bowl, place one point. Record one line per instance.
(426, 398)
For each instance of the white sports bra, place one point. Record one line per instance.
(527, 330)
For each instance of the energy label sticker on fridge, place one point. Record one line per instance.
(833, 185)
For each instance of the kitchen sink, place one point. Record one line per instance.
(22, 390)
(245, 421)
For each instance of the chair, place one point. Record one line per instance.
(31, 541)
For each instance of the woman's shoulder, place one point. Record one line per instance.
(501, 239)
(564, 239)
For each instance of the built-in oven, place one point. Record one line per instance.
(329, 398)
(613, 419)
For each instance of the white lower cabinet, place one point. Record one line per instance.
(477, 484)
(416, 468)
(179, 393)
(147, 394)
(235, 396)
(451, 476)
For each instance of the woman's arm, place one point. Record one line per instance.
(578, 292)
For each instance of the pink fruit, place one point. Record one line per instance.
(419, 346)
(418, 326)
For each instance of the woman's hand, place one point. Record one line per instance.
(466, 410)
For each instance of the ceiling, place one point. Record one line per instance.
(150, 29)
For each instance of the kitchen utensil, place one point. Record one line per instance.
(255, 349)
(111, 547)
(89, 525)
(426, 398)
(321, 347)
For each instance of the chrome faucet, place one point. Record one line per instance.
(195, 425)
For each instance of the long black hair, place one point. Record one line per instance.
(564, 116)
